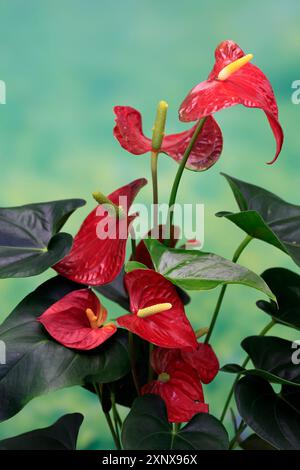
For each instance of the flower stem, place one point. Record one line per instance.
(263, 332)
(228, 400)
(154, 159)
(235, 257)
(133, 362)
(241, 248)
(175, 430)
(133, 247)
(115, 415)
(238, 433)
(178, 176)
(108, 419)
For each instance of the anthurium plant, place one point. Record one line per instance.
(151, 359)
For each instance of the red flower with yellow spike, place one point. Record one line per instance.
(157, 311)
(77, 321)
(98, 250)
(233, 80)
(206, 150)
(177, 384)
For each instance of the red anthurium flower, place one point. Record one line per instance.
(157, 311)
(204, 361)
(205, 153)
(78, 321)
(177, 384)
(98, 250)
(233, 80)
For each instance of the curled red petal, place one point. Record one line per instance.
(168, 329)
(248, 86)
(94, 260)
(204, 361)
(182, 393)
(128, 130)
(67, 323)
(206, 150)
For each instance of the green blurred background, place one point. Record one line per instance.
(67, 63)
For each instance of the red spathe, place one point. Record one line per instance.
(182, 393)
(168, 329)
(67, 322)
(205, 153)
(95, 261)
(248, 86)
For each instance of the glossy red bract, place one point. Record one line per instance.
(248, 86)
(66, 321)
(205, 152)
(95, 261)
(169, 329)
(182, 393)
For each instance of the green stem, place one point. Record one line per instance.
(241, 248)
(235, 438)
(120, 422)
(133, 247)
(108, 420)
(235, 257)
(132, 362)
(115, 415)
(175, 430)
(263, 332)
(154, 159)
(229, 397)
(180, 170)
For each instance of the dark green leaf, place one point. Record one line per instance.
(265, 216)
(254, 442)
(274, 417)
(36, 364)
(272, 360)
(286, 286)
(147, 428)
(124, 388)
(29, 238)
(62, 435)
(196, 270)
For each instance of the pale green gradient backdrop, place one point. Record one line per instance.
(67, 63)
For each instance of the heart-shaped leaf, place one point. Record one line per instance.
(265, 216)
(272, 359)
(196, 270)
(62, 435)
(274, 417)
(36, 364)
(285, 284)
(147, 428)
(29, 238)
